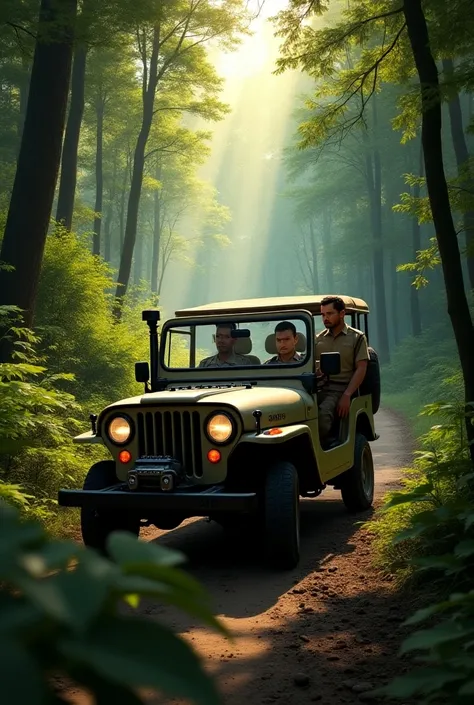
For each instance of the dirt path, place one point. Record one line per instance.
(308, 635)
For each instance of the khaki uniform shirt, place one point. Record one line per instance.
(276, 361)
(344, 343)
(232, 361)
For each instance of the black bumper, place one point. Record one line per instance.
(200, 503)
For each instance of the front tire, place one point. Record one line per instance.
(282, 516)
(96, 526)
(357, 484)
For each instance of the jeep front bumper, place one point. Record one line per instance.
(197, 503)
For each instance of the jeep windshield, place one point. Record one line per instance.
(256, 342)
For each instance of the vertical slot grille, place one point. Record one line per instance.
(175, 433)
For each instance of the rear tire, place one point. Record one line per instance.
(96, 526)
(357, 484)
(282, 516)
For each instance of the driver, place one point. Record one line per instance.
(286, 340)
(226, 356)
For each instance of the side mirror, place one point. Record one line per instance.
(142, 372)
(330, 363)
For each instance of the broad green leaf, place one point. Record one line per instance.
(127, 550)
(73, 597)
(425, 680)
(131, 584)
(139, 653)
(424, 614)
(418, 495)
(21, 681)
(464, 549)
(467, 688)
(429, 638)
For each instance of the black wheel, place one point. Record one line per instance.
(97, 526)
(282, 516)
(357, 484)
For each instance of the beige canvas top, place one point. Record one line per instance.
(271, 305)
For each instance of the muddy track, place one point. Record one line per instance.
(326, 632)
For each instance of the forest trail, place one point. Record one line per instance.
(326, 632)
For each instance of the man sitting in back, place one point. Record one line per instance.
(286, 340)
(226, 355)
(351, 344)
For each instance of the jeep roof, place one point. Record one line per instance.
(273, 303)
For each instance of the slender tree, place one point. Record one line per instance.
(39, 157)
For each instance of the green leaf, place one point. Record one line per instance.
(430, 638)
(131, 585)
(464, 549)
(20, 677)
(139, 653)
(424, 680)
(418, 495)
(127, 550)
(423, 614)
(467, 688)
(73, 597)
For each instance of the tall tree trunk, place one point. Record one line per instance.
(374, 184)
(23, 87)
(138, 258)
(123, 198)
(327, 248)
(99, 176)
(458, 308)
(108, 233)
(38, 161)
(314, 257)
(462, 160)
(67, 184)
(394, 298)
(137, 179)
(110, 212)
(157, 227)
(416, 247)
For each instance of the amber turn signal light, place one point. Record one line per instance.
(214, 456)
(125, 456)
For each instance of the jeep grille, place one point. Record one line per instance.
(175, 433)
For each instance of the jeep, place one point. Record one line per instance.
(236, 444)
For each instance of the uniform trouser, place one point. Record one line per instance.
(327, 409)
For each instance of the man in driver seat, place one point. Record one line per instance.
(286, 340)
(226, 355)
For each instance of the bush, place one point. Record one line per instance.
(427, 530)
(62, 615)
(75, 323)
(37, 422)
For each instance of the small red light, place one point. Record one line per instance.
(273, 432)
(125, 456)
(214, 456)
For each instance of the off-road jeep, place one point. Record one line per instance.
(237, 444)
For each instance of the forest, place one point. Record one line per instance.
(170, 153)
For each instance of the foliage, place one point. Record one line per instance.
(426, 531)
(37, 421)
(73, 318)
(62, 615)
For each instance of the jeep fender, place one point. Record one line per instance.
(294, 444)
(266, 438)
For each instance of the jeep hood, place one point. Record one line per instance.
(282, 403)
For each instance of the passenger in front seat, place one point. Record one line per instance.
(286, 340)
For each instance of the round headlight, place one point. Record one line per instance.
(119, 430)
(219, 428)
